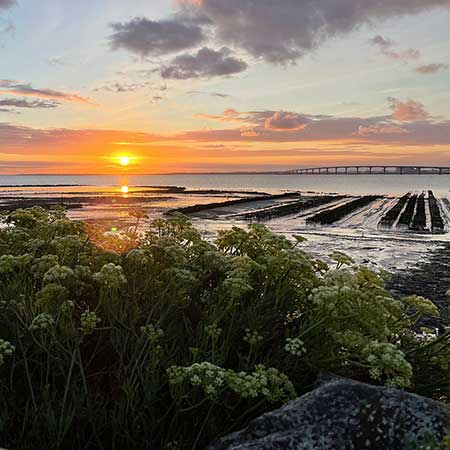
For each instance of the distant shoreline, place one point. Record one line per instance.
(390, 175)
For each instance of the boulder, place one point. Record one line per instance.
(342, 414)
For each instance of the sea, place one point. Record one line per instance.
(357, 234)
(351, 184)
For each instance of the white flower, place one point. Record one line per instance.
(385, 359)
(294, 346)
(42, 322)
(153, 333)
(213, 331)
(263, 382)
(6, 349)
(89, 321)
(252, 337)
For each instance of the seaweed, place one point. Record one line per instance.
(419, 222)
(393, 214)
(290, 208)
(437, 223)
(330, 216)
(205, 207)
(407, 215)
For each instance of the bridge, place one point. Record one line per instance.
(371, 170)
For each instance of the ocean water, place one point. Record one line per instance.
(357, 234)
(350, 184)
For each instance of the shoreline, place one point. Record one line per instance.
(429, 279)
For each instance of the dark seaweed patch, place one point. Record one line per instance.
(419, 222)
(437, 223)
(330, 216)
(290, 208)
(407, 215)
(392, 215)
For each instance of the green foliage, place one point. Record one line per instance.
(180, 340)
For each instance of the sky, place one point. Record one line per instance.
(222, 85)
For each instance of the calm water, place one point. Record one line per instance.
(357, 234)
(352, 184)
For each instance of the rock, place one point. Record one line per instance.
(343, 414)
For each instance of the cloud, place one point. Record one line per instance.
(18, 136)
(386, 47)
(5, 4)
(33, 104)
(428, 69)
(231, 115)
(380, 129)
(286, 121)
(408, 111)
(342, 131)
(243, 135)
(6, 26)
(146, 37)
(408, 124)
(249, 132)
(212, 94)
(380, 41)
(269, 120)
(285, 30)
(122, 87)
(60, 61)
(206, 63)
(12, 87)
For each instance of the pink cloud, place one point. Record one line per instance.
(386, 47)
(431, 68)
(409, 111)
(286, 121)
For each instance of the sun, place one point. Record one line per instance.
(124, 189)
(124, 160)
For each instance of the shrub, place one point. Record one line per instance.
(181, 340)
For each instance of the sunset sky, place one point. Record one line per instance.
(222, 85)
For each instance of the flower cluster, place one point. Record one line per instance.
(263, 382)
(385, 359)
(213, 331)
(111, 276)
(295, 346)
(10, 263)
(89, 321)
(59, 275)
(6, 349)
(422, 305)
(42, 265)
(41, 322)
(252, 337)
(153, 333)
(67, 307)
(341, 258)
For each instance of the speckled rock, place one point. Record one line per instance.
(343, 415)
